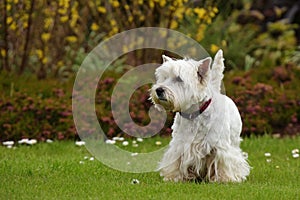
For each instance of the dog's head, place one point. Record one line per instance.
(181, 83)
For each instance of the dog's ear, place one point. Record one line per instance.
(166, 58)
(203, 68)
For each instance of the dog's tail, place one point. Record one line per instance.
(217, 70)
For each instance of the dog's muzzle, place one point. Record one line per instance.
(160, 93)
(162, 96)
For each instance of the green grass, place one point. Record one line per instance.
(53, 171)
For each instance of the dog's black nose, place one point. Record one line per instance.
(159, 92)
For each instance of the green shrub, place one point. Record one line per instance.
(43, 109)
(41, 112)
(267, 99)
(47, 38)
(246, 45)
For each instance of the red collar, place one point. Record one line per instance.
(195, 114)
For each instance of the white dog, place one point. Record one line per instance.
(207, 126)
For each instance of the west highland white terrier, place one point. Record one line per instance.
(206, 139)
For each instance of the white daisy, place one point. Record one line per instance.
(80, 143)
(268, 154)
(125, 143)
(8, 143)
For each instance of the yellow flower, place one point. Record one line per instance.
(163, 33)
(208, 20)
(8, 7)
(140, 40)
(74, 20)
(192, 51)
(46, 37)
(9, 20)
(45, 60)
(24, 17)
(170, 45)
(188, 11)
(125, 49)
(63, 19)
(214, 48)
(199, 36)
(60, 63)
(71, 39)
(179, 3)
(224, 43)
(115, 4)
(142, 18)
(13, 26)
(62, 11)
(141, 2)
(115, 30)
(162, 3)
(130, 18)
(179, 13)
(151, 4)
(94, 27)
(61, 2)
(3, 53)
(48, 22)
(113, 22)
(39, 53)
(200, 12)
(200, 33)
(101, 9)
(215, 9)
(174, 24)
(75, 6)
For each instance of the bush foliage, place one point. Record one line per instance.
(31, 109)
(268, 99)
(42, 109)
(49, 40)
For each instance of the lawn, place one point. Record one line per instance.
(62, 170)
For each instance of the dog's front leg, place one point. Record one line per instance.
(169, 167)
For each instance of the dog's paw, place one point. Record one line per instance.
(167, 179)
(176, 179)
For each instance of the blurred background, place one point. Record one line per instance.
(43, 43)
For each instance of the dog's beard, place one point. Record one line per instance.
(167, 102)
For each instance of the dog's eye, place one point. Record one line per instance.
(178, 79)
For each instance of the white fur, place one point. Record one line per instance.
(207, 147)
